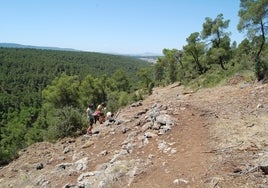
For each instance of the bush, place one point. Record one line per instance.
(261, 68)
(123, 99)
(66, 122)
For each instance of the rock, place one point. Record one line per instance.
(124, 130)
(164, 147)
(39, 166)
(63, 166)
(88, 144)
(180, 181)
(118, 155)
(164, 129)
(89, 179)
(173, 151)
(151, 156)
(68, 186)
(259, 106)
(42, 182)
(164, 119)
(102, 184)
(119, 122)
(66, 150)
(156, 126)
(61, 158)
(150, 135)
(129, 147)
(103, 153)
(138, 123)
(145, 141)
(146, 126)
(139, 103)
(81, 164)
(142, 112)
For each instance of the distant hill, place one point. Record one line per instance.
(15, 45)
(146, 55)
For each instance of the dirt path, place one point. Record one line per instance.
(189, 166)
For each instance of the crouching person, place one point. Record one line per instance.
(110, 117)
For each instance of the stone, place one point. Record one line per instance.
(39, 166)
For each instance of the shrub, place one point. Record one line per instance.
(66, 122)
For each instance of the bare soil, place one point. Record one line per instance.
(220, 140)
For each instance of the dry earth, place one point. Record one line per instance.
(217, 138)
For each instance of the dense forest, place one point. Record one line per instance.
(45, 93)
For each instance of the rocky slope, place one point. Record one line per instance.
(213, 137)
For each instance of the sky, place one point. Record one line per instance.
(111, 26)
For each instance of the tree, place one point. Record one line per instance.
(245, 48)
(88, 91)
(63, 91)
(121, 80)
(171, 64)
(214, 30)
(95, 90)
(159, 69)
(253, 18)
(67, 121)
(144, 77)
(195, 49)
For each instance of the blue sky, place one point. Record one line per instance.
(111, 26)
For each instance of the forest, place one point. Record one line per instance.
(45, 93)
(33, 79)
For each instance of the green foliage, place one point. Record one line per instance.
(121, 81)
(207, 66)
(62, 92)
(14, 133)
(214, 30)
(112, 99)
(146, 79)
(123, 99)
(261, 68)
(167, 67)
(159, 71)
(34, 135)
(67, 121)
(87, 91)
(253, 19)
(118, 99)
(12, 140)
(137, 96)
(150, 88)
(194, 51)
(26, 72)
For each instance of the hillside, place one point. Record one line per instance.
(214, 137)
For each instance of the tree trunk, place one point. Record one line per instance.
(259, 65)
(222, 63)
